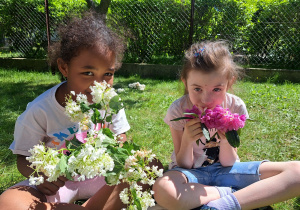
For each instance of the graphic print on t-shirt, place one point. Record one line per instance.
(59, 137)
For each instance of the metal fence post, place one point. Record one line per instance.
(192, 22)
(48, 30)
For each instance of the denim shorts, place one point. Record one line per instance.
(238, 176)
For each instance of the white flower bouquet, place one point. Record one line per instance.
(96, 151)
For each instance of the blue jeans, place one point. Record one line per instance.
(238, 176)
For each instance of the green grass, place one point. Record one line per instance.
(272, 134)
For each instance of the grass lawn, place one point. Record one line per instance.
(273, 134)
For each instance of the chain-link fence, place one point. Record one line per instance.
(262, 34)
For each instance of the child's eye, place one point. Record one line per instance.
(197, 89)
(108, 74)
(217, 90)
(88, 73)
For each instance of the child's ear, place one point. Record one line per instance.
(63, 67)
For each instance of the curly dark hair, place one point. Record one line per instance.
(88, 32)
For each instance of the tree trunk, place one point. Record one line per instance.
(102, 8)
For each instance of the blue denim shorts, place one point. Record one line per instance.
(238, 176)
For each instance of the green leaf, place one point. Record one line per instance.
(205, 131)
(73, 143)
(136, 200)
(96, 118)
(181, 118)
(115, 103)
(69, 176)
(239, 131)
(108, 132)
(96, 106)
(62, 164)
(108, 118)
(193, 114)
(108, 141)
(119, 155)
(233, 138)
(130, 146)
(84, 107)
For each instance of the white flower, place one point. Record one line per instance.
(73, 111)
(82, 98)
(36, 180)
(137, 85)
(124, 196)
(91, 162)
(159, 172)
(120, 90)
(141, 87)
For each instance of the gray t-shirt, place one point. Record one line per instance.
(178, 107)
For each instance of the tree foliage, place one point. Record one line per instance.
(262, 32)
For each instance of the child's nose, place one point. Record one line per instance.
(99, 79)
(206, 99)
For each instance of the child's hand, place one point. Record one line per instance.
(222, 135)
(50, 188)
(192, 130)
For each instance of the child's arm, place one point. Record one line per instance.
(183, 142)
(47, 188)
(228, 154)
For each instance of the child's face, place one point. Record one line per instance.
(86, 68)
(206, 90)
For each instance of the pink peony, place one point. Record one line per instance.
(220, 118)
(193, 110)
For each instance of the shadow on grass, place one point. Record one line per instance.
(14, 98)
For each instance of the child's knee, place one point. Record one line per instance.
(167, 185)
(294, 168)
(25, 195)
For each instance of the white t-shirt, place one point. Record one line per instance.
(178, 107)
(44, 120)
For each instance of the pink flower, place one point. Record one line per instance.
(222, 119)
(194, 110)
(81, 136)
(219, 118)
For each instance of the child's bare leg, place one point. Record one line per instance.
(173, 192)
(280, 181)
(24, 197)
(114, 201)
(99, 200)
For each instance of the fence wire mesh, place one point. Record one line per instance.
(261, 35)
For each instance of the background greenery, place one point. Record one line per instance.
(273, 135)
(263, 33)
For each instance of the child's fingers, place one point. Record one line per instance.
(48, 188)
(194, 123)
(222, 135)
(59, 182)
(197, 134)
(193, 130)
(62, 178)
